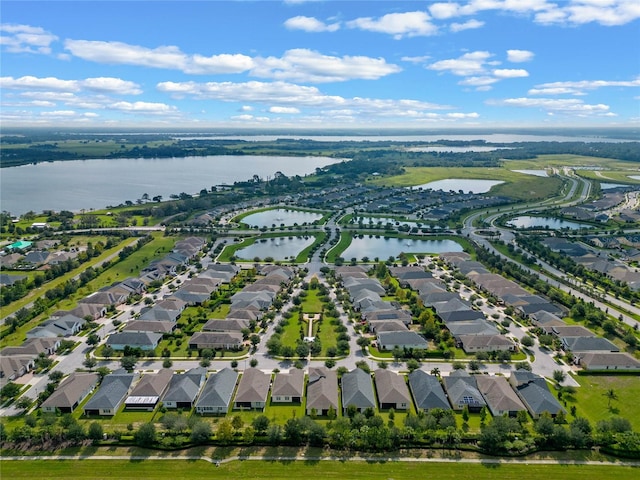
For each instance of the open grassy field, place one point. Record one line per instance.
(517, 185)
(568, 160)
(611, 176)
(592, 404)
(302, 470)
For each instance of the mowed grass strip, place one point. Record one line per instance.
(300, 470)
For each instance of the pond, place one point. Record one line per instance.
(608, 186)
(383, 248)
(278, 248)
(537, 173)
(366, 221)
(465, 184)
(280, 216)
(527, 221)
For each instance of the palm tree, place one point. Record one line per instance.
(435, 372)
(611, 395)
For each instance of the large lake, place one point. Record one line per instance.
(280, 216)
(280, 248)
(465, 184)
(383, 248)
(527, 221)
(85, 184)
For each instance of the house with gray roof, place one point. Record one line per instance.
(70, 393)
(148, 391)
(407, 339)
(607, 361)
(14, 366)
(184, 388)
(86, 310)
(534, 393)
(149, 326)
(322, 391)
(225, 325)
(64, 326)
(588, 344)
(486, 343)
(288, 387)
(397, 314)
(569, 331)
(379, 326)
(546, 319)
(427, 391)
(159, 314)
(217, 393)
(500, 397)
(462, 391)
(112, 392)
(253, 389)
(146, 341)
(471, 327)
(357, 390)
(216, 340)
(392, 390)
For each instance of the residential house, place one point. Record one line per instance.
(357, 391)
(216, 340)
(427, 391)
(146, 341)
(288, 387)
(112, 392)
(33, 347)
(534, 393)
(70, 393)
(14, 367)
(184, 388)
(217, 393)
(392, 390)
(406, 339)
(608, 361)
(252, 389)
(486, 343)
(149, 326)
(65, 326)
(148, 391)
(500, 397)
(588, 344)
(462, 391)
(225, 325)
(322, 391)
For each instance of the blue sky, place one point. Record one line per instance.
(418, 64)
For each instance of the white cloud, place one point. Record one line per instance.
(246, 108)
(59, 113)
(408, 24)
(510, 73)
(420, 59)
(305, 65)
(468, 25)
(577, 12)
(580, 87)
(250, 118)
(519, 56)
(143, 107)
(561, 105)
(25, 38)
(479, 81)
(310, 24)
(444, 10)
(96, 84)
(471, 63)
(287, 110)
(297, 96)
(169, 57)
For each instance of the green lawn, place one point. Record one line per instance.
(592, 403)
(560, 160)
(312, 303)
(259, 470)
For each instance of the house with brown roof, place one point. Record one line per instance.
(500, 397)
(71, 392)
(253, 389)
(322, 391)
(288, 387)
(607, 361)
(148, 391)
(392, 390)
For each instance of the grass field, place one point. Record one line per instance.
(611, 176)
(517, 185)
(568, 160)
(592, 403)
(258, 470)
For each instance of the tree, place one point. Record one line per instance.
(435, 372)
(93, 339)
(200, 432)
(95, 432)
(103, 372)
(610, 394)
(236, 422)
(363, 343)
(302, 350)
(128, 363)
(225, 431)
(10, 390)
(167, 363)
(412, 364)
(559, 376)
(254, 339)
(146, 435)
(107, 351)
(260, 423)
(527, 341)
(56, 376)
(253, 362)
(24, 403)
(90, 362)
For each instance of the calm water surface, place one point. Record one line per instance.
(384, 248)
(86, 184)
(280, 216)
(527, 221)
(280, 248)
